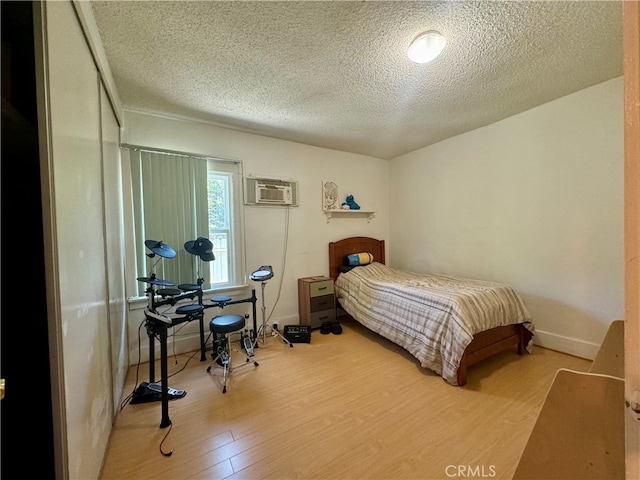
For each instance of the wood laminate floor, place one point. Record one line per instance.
(349, 406)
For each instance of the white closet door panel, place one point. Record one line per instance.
(79, 239)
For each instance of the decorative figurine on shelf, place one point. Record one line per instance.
(344, 206)
(351, 203)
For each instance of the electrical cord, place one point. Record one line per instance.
(166, 454)
(129, 397)
(285, 247)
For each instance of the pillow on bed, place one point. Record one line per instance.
(346, 268)
(357, 259)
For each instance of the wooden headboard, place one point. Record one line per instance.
(340, 249)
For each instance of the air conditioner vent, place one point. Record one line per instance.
(270, 191)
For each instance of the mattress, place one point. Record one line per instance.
(434, 317)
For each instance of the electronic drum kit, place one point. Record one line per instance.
(170, 294)
(164, 292)
(158, 323)
(202, 248)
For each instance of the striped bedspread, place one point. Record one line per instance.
(434, 317)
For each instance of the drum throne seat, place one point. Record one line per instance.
(222, 353)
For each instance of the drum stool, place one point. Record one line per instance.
(226, 325)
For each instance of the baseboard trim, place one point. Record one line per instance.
(568, 345)
(182, 344)
(190, 342)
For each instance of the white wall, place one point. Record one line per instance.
(535, 201)
(308, 232)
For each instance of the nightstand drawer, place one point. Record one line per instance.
(324, 287)
(316, 301)
(318, 318)
(322, 303)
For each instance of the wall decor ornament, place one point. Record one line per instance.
(329, 196)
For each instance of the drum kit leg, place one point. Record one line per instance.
(157, 327)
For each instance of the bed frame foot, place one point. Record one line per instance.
(462, 373)
(525, 337)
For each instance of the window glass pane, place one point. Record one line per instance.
(218, 195)
(219, 271)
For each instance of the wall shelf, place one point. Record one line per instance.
(349, 213)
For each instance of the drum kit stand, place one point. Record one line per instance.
(157, 323)
(263, 274)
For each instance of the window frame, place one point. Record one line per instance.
(232, 170)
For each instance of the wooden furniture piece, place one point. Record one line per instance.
(610, 357)
(316, 301)
(484, 344)
(579, 433)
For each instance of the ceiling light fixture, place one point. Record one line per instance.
(426, 47)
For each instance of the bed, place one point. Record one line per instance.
(447, 323)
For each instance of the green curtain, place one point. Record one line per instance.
(170, 205)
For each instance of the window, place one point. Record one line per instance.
(178, 198)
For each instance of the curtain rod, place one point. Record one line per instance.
(176, 152)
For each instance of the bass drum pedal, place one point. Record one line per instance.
(247, 344)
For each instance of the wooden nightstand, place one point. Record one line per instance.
(316, 301)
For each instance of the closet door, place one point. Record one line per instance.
(114, 246)
(75, 242)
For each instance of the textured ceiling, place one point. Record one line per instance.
(336, 74)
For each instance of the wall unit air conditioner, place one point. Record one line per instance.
(269, 191)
